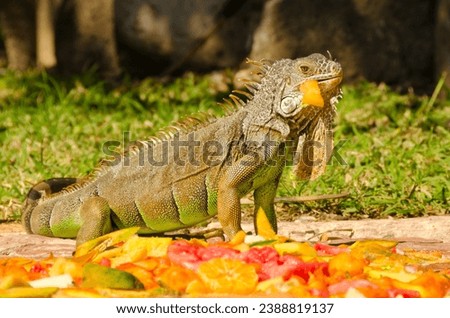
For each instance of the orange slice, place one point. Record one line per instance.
(177, 278)
(311, 93)
(347, 265)
(228, 276)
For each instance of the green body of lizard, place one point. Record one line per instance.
(202, 167)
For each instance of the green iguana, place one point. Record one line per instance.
(201, 167)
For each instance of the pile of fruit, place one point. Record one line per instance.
(123, 264)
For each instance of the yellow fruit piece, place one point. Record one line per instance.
(300, 291)
(122, 293)
(28, 292)
(372, 249)
(401, 276)
(263, 225)
(388, 245)
(112, 253)
(228, 276)
(269, 285)
(277, 286)
(430, 256)
(101, 243)
(243, 247)
(428, 285)
(238, 238)
(77, 293)
(197, 288)
(354, 293)
(296, 248)
(154, 246)
(311, 93)
(66, 266)
(10, 281)
(346, 264)
(135, 249)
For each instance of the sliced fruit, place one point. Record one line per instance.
(101, 243)
(61, 281)
(137, 248)
(28, 292)
(263, 225)
(296, 248)
(95, 275)
(347, 265)
(228, 276)
(177, 278)
(311, 93)
(239, 238)
(144, 276)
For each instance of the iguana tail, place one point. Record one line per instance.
(46, 188)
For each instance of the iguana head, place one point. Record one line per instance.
(316, 138)
(282, 106)
(292, 75)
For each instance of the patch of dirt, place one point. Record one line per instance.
(11, 227)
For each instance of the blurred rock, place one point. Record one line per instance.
(168, 36)
(382, 41)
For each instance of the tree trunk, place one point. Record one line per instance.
(45, 34)
(17, 22)
(443, 39)
(86, 37)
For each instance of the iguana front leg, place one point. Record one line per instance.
(229, 208)
(264, 197)
(238, 177)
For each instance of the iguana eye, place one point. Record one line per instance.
(304, 68)
(289, 104)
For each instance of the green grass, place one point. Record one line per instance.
(397, 153)
(396, 146)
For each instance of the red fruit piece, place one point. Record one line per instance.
(260, 255)
(185, 254)
(325, 249)
(210, 252)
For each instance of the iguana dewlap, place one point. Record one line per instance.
(204, 166)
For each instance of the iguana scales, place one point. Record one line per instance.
(201, 167)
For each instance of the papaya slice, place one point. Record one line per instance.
(311, 93)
